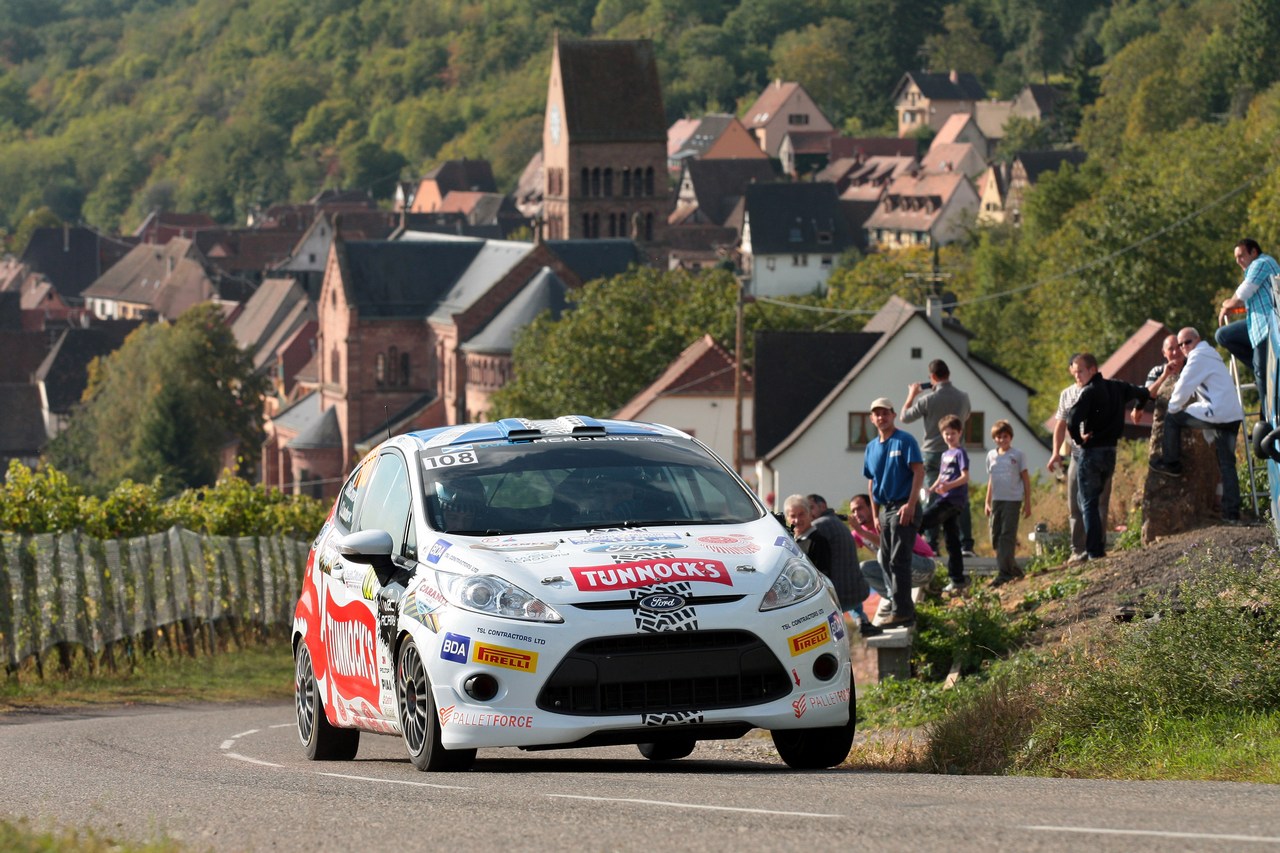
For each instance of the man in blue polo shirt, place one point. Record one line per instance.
(894, 468)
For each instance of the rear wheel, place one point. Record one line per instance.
(815, 749)
(668, 750)
(321, 740)
(418, 718)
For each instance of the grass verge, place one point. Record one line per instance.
(20, 837)
(256, 672)
(1191, 693)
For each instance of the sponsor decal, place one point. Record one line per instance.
(795, 676)
(510, 543)
(737, 543)
(455, 648)
(437, 551)
(635, 547)
(799, 706)
(452, 716)
(349, 637)
(787, 544)
(369, 586)
(613, 535)
(809, 640)
(671, 718)
(507, 658)
(795, 623)
(519, 638)
(680, 618)
(532, 557)
(836, 621)
(828, 700)
(661, 602)
(647, 572)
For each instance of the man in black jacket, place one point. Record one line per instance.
(1096, 423)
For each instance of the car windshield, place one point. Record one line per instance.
(615, 481)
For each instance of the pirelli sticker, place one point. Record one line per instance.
(507, 658)
(810, 639)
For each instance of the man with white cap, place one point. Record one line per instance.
(1204, 399)
(894, 468)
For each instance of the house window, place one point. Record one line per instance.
(648, 226)
(917, 353)
(769, 262)
(795, 236)
(626, 182)
(747, 445)
(975, 431)
(648, 181)
(586, 182)
(797, 118)
(608, 183)
(824, 236)
(380, 369)
(861, 430)
(826, 262)
(595, 182)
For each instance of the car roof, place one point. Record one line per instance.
(523, 430)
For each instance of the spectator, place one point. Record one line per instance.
(1096, 422)
(851, 588)
(1246, 339)
(951, 497)
(1160, 375)
(894, 470)
(932, 402)
(863, 521)
(1064, 447)
(1205, 399)
(1008, 490)
(796, 510)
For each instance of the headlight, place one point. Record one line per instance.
(493, 596)
(797, 581)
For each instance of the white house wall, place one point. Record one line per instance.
(787, 278)
(820, 460)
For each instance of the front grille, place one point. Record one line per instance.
(663, 672)
(633, 604)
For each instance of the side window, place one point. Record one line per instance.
(387, 500)
(349, 496)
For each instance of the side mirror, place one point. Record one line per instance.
(369, 548)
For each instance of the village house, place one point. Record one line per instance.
(792, 235)
(1025, 171)
(923, 210)
(781, 108)
(812, 426)
(715, 136)
(923, 99)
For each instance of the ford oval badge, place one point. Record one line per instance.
(661, 602)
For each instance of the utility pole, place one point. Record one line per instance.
(744, 281)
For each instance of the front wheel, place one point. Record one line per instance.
(815, 749)
(321, 740)
(668, 750)
(418, 718)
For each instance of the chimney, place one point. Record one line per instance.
(933, 311)
(955, 76)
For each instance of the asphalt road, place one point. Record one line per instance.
(234, 778)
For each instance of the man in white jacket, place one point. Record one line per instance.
(1204, 398)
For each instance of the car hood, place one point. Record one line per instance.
(604, 564)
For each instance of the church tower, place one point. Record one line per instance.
(604, 144)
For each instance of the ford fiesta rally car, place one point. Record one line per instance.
(563, 583)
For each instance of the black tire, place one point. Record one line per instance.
(668, 750)
(815, 749)
(321, 740)
(418, 718)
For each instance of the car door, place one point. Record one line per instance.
(386, 504)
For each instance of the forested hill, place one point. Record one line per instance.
(109, 108)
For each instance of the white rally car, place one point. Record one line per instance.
(563, 583)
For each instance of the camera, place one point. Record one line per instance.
(926, 386)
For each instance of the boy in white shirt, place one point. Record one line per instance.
(1008, 485)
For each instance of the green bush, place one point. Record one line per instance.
(966, 633)
(46, 501)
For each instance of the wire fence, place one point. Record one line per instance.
(177, 590)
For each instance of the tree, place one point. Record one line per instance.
(164, 406)
(618, 336)
(961, 47)
(1257, 35)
